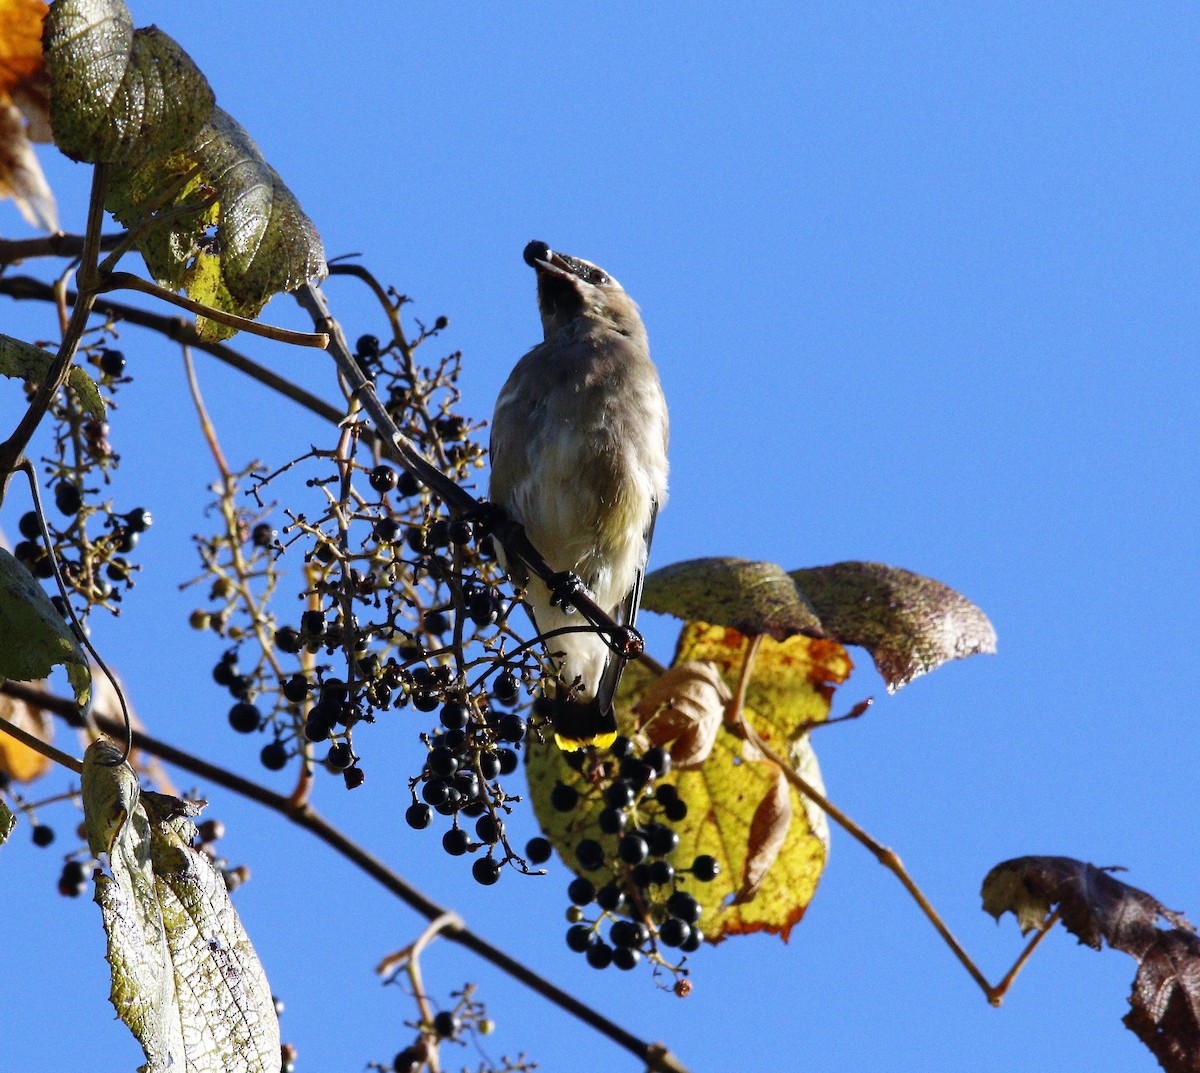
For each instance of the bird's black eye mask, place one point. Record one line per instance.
(588, 273)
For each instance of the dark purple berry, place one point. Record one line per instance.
(455, 841)
(486, 871)
(706, 868)
(506, 688)
(581, 891)
(632, 849)
(674, 932)
(112, 362)
(683, 905)
(418, 816)
(599, 955)
(590, 854)
(564, 798)
(245, 718)
(43, 835)
(579, 937)
(274, 756)
(538, 850)
(445, 1024)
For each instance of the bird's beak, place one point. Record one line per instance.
(542, 258)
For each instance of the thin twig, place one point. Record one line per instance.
(656, 1057)
(24, 288)
(35, 743)
(60, 244)
(129, 281)
(12, 448)
(887, 857)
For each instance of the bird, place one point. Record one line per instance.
(579, 459)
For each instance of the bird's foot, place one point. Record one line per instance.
(564, 587)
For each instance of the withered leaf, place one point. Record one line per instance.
(751, 597)
(185, 977)
(768, 831)
(24, 111)
(19, 762)
(1097, 908)
(910, 624)
(683, 709)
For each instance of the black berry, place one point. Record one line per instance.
(245, 718)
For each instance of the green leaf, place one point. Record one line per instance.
(247, 240)
(185, 977)
(910, 624)
(33, 636)
(30, 363)
(119, 95)
(7, 822)
(752, 597)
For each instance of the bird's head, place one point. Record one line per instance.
(570, 288)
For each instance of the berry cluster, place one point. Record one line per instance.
(402, 609)
(628, 878)
(466, 1020)
(94, 564)
(475, 747)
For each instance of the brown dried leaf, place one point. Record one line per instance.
(684, 708)
(17, 761)
(768, 831)
(910, 624)
(752, 597)
(1096, 908)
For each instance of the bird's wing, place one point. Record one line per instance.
(626, 614)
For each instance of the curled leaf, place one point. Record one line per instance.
(119, 95)
(768, 831)
(31, 363)
(246, 237)
(751, 597)
(684, 708)
(1095, 907)
(111, 794)
(910, 624)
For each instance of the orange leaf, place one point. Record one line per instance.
(20, 44)
(17, 761)
(24, 111)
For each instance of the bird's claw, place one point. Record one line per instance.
(564, 587)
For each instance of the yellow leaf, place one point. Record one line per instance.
(770, 842)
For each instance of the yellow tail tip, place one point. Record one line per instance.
(571, 745)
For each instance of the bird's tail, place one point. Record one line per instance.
(580, 723)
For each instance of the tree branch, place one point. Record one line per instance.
(655, 1055)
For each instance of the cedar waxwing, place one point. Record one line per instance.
(579, 459)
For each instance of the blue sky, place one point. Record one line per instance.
(920, 283)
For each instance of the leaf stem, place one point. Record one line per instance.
(885, 856)
(129, 281)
